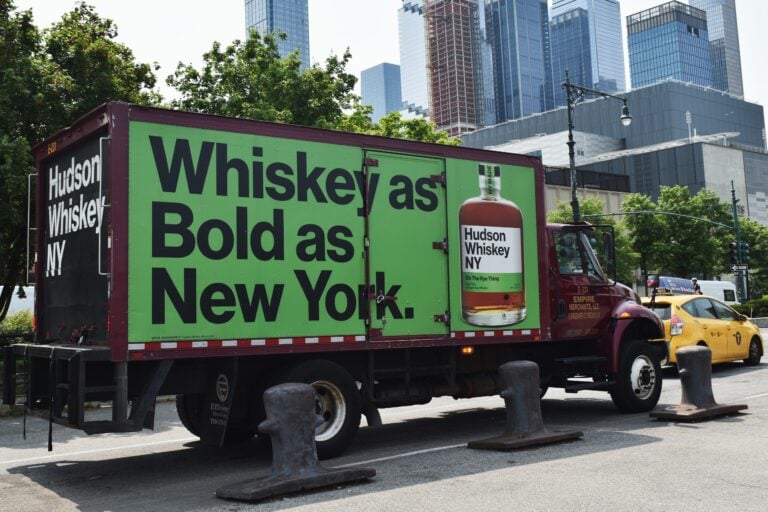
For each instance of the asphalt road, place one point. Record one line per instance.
(623, 462)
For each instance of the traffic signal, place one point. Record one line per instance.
(744, 252)
(732, 253)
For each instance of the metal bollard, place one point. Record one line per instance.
(525, 426)
(291, 423)
(695, 370)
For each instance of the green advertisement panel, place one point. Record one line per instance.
(405, 246)
(492, 233)
(236, 236)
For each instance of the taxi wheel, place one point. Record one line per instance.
(755, 353)
(638, 382)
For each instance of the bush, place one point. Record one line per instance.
(16, 328)
(755, 308)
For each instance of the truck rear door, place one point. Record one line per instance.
(407, 268)
(72, 262)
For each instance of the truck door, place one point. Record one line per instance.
(583, 301)
(407, 266)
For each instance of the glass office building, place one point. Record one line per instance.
(723, 44)
(669, 41)
(380, 88)
(289, 16)
(518, 33)
(601, 49)
(569, 33)
(413, 56)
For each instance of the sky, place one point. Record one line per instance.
(173, 31)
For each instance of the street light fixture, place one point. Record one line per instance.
(574, 94)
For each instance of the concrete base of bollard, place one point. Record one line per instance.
(507, 442)
(689, 412)
(271, 487)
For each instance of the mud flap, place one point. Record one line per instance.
(219, 394)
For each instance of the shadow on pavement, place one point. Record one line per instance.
(406, 453)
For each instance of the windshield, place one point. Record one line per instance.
(575, 255)
(593, 265)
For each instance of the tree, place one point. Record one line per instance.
(756, 235)
(692, 247)
(626, 257)
(646, 231)
(249, 79)
(393, 125)
(46, 80)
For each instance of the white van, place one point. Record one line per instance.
(723, 290)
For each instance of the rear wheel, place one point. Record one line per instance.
(755, 353)
(337, 401)
(191, 407)
(638, 382)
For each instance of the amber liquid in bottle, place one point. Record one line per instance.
(491, 235)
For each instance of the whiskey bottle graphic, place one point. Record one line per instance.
(491, 230)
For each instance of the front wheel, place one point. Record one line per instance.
(755, 353)
(337, 401)
(638, 382)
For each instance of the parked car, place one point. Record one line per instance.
(703, 320)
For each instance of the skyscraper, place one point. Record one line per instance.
(289, 16)
(569, 33)
(724, 44)
(453, 60)
(599, 51)
(380, 88)
(413, 56)
(669, 41)
(518, 32)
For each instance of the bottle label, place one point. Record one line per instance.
(491, 259)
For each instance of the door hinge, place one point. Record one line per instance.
(444, 318)
(370, 162)
(438, 178)
(441, 245)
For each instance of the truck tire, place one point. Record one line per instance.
(755, 353)
(189, 409)
(337, 401)
(638, 382)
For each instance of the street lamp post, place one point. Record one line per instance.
(574, 94)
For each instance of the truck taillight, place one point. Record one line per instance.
(675, 326)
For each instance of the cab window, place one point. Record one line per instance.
(700, 308)
(723, 311)
(568, 254)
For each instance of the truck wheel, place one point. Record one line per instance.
(755, 353)
(337, 401)
(638, 382)
(189, 409)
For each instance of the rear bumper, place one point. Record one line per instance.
(56, 382)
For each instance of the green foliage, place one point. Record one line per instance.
(16, 328)
(755, 308)
(626, 257)
(47, 79)
(756, 235)
(679, 244)
(393, 125)
(249, 79)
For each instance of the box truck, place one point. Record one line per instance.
(210, 258)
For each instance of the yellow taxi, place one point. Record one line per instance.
(702, 320)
